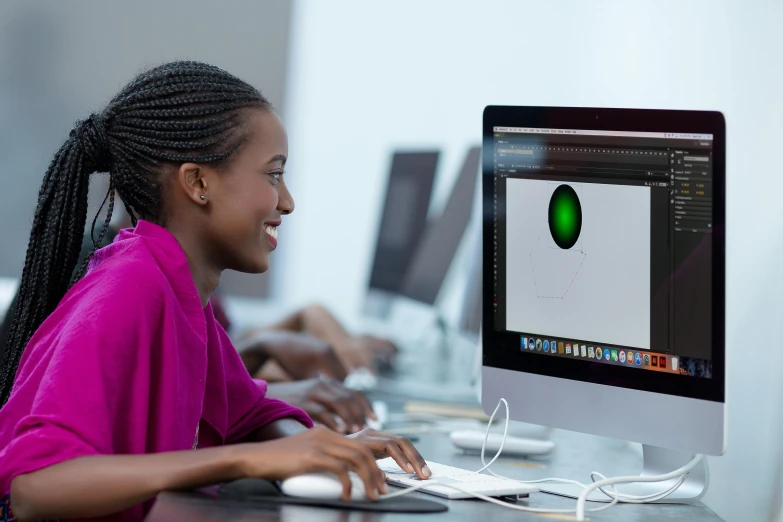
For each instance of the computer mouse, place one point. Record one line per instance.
(323, 486)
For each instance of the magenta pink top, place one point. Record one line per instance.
(130, 363)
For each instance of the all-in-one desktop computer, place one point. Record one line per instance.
(604, 279)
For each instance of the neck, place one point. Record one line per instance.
(205, 274)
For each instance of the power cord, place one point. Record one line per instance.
(580, 509)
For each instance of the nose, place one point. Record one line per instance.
(285, 202)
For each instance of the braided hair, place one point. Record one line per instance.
(172, 114)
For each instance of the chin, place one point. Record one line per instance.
(262, 264)
(256, 265)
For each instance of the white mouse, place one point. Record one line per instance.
(322, 485)
(474, 439)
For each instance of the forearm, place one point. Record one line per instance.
(317, 321)
(105, 484)
(254, 358)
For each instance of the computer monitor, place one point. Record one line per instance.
(438, 247)
(604, 273)
(403, 223)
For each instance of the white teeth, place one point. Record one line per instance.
(272, 231)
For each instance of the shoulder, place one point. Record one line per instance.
(126, 280)
(114, 314)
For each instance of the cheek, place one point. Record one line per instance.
(254, 203)
(266, 201)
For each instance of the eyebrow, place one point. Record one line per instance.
(278, 157)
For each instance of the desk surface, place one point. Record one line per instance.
(575, 457)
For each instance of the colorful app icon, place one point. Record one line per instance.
(598, 353)
(663, 361)
(524, 343)
(622, 356)
(560, 348)
(584, 350)
(629, 356)
(607, 354)
(568, 349)
(646, 359)
(553, 346)
(654, 361)
(675, 364)
(591, 352)
(614, 355)
(576, 349)
(638, 359)
(539, 345)
(546, 346)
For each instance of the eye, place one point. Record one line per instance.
(275, 177)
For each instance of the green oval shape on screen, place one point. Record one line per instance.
(565, 216)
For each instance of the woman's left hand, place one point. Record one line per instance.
(400, 449)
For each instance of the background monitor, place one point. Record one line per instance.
(604, 234)
(438, 247)
(404, 217)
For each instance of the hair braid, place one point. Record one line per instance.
(178, 112)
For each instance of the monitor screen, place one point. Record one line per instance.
(443, 236)
(603, 253)
(404, 217)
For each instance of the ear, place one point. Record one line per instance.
(193, 182)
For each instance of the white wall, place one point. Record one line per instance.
(61, 60)
(366, 78)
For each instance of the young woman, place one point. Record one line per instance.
(301, 356)
(110, 385)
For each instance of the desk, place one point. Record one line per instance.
(575, 457)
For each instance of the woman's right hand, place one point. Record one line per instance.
(316, 450)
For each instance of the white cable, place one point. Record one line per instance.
(492, 500)
(486, 435)
(640, 499)
(681, 474)
(426, 483)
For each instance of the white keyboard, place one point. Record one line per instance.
(470, 481)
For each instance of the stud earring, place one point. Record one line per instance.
(203, 197)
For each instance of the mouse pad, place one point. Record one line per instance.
(259, 490)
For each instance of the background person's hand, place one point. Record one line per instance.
(353, 354)
(299, 355)
(381, 350)
(403, 452)
(316, 450)
(326, 401)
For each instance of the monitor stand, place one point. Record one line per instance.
(657, 461)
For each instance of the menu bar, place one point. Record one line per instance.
(627, 134)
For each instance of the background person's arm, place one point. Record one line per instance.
(354, 352)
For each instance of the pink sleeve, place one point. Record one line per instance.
(78, 374)
(264, 411)
(248, 407)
